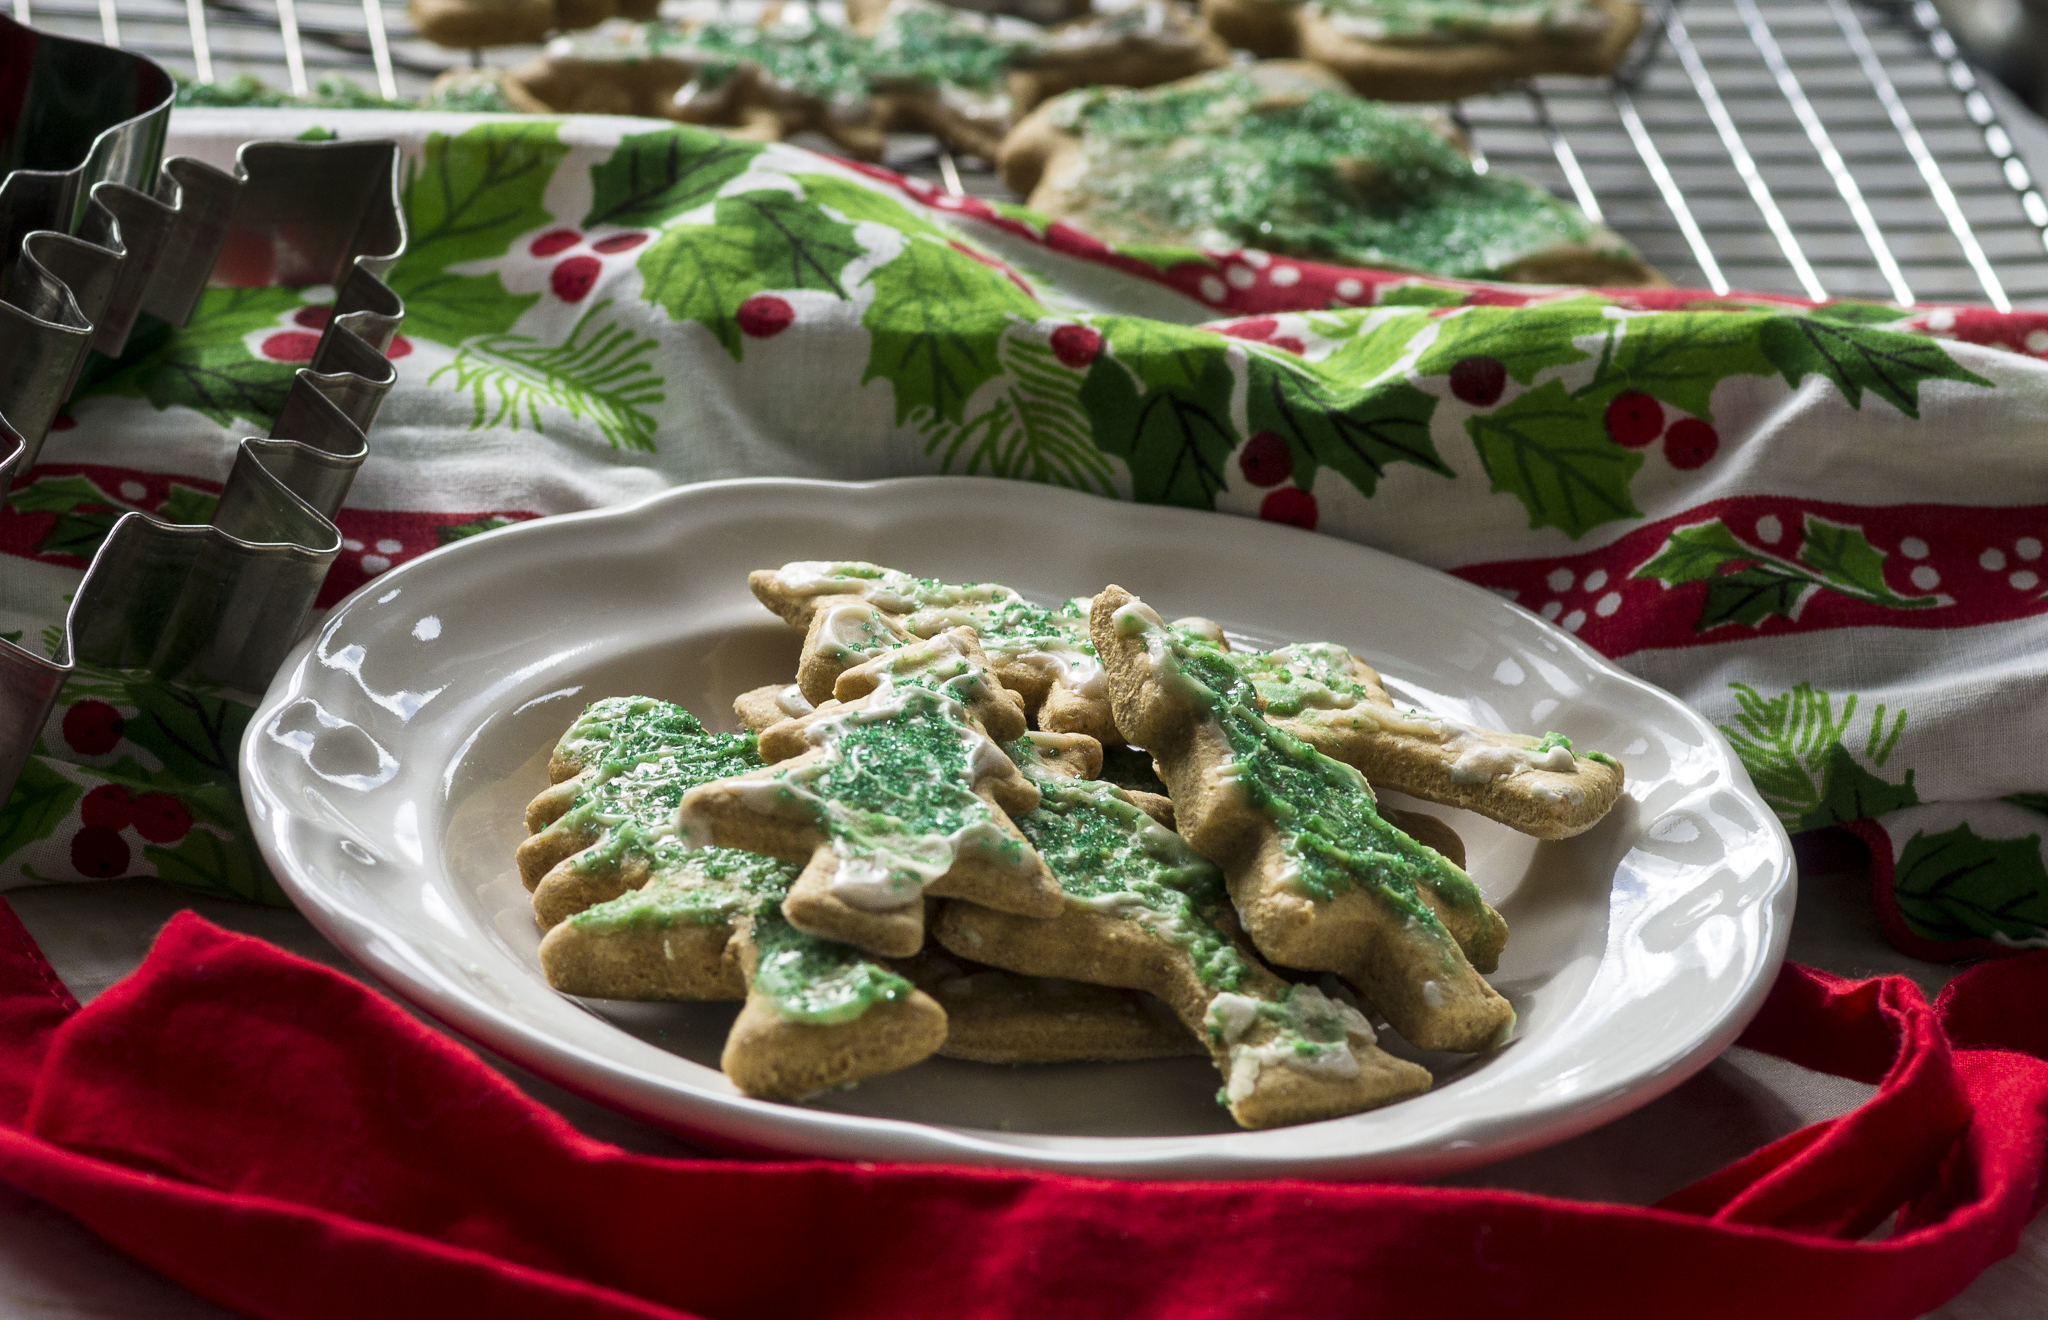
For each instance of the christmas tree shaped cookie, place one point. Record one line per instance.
(1335, 702)
(1041, 652)
(637, 914)
(1142, 909)
(894, 789)
(1320, 880)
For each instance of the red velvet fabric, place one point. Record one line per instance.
(290, 1144)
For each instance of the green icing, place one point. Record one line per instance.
(937, 45)
(643, 755)
(1318, 675)
(1449, 20)
(646, 755)
(1309, 1022)
(817, 981)
(918, 45)
(1110, 855)
(813, 59)
(709, 887)
(1323, 175)
(1307, 675)
(1006, 623)
(332, 92)
(1330, 828)
(896, 793)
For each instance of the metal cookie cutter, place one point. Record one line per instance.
(86, 251)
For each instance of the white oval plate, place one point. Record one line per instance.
(388, 766)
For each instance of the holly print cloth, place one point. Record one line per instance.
(1823, 527)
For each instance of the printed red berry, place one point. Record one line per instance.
(765, 316)
(107, 808)
(1259, 327)
(400, 347)
(1265, 460)
(555, 240)
(1691, 443)
(574, 276)
(1291, 505)
(62, 423)
(1076, 346)
(161, 818)
(619, 242)
(1290, 343)
(291, 346)
(1479, 381)
(1634, 420)
(99, 853)
(92, 728)
(313, 318)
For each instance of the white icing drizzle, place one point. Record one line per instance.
(1231, 1017)
(792, 702)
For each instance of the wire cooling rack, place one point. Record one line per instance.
(1832, 148)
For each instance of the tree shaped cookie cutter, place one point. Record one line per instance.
(97, 230)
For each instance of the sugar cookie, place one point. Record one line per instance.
(1335, 702)
(1145, 911)
(895, 789)
(1319, 879)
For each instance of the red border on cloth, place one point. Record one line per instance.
(289, 1143)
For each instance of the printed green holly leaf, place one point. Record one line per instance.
(182, 504)
(1552, 452)
(1849, 562)
(1751, 595)
(1175, 435)
(57, 495)
(1856, 358)
(1357, 432)
(1861, 313)
(757, 242)
(206, 364)
(1747, 585)
(937, 316)
(41, 801)
(78, 534)
(1694, 554)
(651, 177)
(450, 533)
(2034, 802)
(1162, 257)
(1367, 354)
(228, 868)
(856, 202)
(1958, 886)
(1850, 792)
(1525, 340)
(466, 199)
(1035, 221)
(1418, 295)
(1679, 357)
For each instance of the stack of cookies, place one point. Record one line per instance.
(915, 850)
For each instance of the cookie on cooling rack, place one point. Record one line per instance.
(1282, 156)
(1434, 50)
